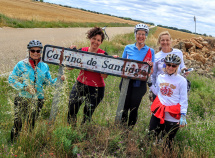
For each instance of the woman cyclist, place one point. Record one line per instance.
(170, 106)
(136, 89)
(28, 78)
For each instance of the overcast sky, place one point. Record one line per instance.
(174, 13)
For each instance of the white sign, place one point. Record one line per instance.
(100, 63)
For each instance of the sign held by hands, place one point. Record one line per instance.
(100, 63)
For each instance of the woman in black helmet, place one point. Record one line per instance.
(170, 106)
(28, 78)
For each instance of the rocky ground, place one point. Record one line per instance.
(199, 53)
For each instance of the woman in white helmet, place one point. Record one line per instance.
(136, 89)
(164, 40)
(170, 106)
(28, 78)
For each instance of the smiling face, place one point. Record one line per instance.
(141, 36)
(165, 42)
(35, 53)
(95, 42)
(171, 68)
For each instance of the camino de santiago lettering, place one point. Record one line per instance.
(52, 56)
(123, 68)
(95, 62)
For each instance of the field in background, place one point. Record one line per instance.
(39, 11)
(174, 33)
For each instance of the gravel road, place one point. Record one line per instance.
(13, 41)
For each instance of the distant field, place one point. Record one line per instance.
(175, 34)
(39, 11)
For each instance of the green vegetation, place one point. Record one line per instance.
(101, 137)
(18, 23)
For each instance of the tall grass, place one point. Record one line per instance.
(101, 137)
(18, 23)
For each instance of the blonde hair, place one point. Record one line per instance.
(161, 34)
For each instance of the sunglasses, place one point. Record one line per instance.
(171, 65)
(33, 51)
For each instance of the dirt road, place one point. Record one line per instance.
(13, 41)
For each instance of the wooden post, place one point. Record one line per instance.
(122, 97)
(57, 95)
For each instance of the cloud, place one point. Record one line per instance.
(168, 13)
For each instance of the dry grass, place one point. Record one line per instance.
(174, 33)
(29, 10)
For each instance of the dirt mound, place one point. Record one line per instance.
(199, 53)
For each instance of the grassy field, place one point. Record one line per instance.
(174, 33)
(39, 11)
(102, 138)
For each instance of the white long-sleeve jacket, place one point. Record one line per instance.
(171, 90)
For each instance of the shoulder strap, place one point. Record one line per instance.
(148, 56)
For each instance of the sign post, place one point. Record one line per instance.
(57, 94)
(122, 97)
(126, 68)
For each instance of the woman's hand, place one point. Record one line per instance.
(63, 78)
(150, 63)
(30, 89)
(72, 47)
(182, 121)
(69, 68)
(115, 56)
(104, 75)
(185, 73)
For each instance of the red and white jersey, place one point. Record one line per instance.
(171, 90)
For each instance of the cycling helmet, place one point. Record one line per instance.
(141, 27)
(34, 43)
(172, 58)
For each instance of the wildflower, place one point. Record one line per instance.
(51, 154)
(78, 155)
(15, 155)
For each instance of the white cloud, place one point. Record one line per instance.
(172, 13)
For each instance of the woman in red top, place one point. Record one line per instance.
(90, 86)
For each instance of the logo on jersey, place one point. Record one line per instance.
(166, 89)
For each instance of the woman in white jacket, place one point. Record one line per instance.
(170, 106)
(164, 40)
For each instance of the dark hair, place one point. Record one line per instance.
(95, 31)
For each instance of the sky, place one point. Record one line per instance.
(172, 13)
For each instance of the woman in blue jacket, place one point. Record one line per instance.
(28, 78)
(136, 88)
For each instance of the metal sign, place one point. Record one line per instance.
(100, 63)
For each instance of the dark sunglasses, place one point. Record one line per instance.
(33, 51)
(171, 65)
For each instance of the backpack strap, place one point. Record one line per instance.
(148, 56)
